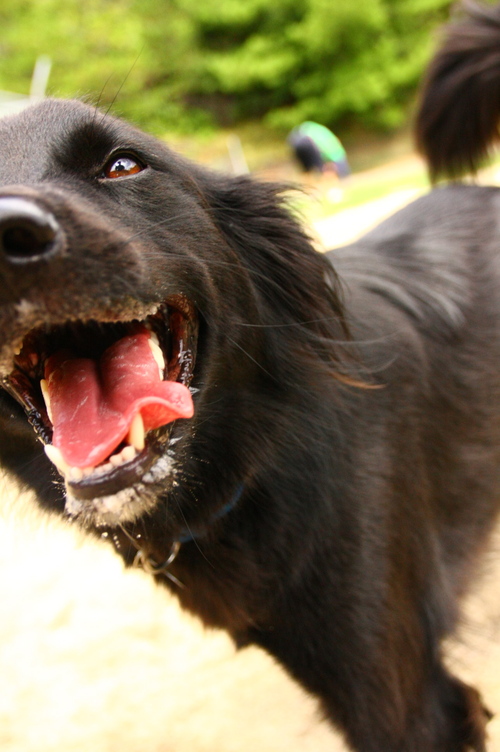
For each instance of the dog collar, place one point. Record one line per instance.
(189, 535)
(146, 562)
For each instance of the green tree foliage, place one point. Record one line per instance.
(297, 59)
(185, 63)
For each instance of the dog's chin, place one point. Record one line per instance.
(125, 497)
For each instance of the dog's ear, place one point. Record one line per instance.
(458, 116)
(295, 283)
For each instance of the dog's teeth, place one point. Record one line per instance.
(55, 456)
(136, 434)
(157, 353)
(128, 453)
(116, 459)
(44, 386)
(88, 471)
(34, 359)
(75, 474)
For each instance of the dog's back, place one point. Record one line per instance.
(423, 289)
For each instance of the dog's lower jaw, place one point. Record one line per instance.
(126, 505)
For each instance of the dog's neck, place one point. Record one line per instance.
(146, 561)
(189, 535)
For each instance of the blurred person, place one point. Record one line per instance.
(318, 150)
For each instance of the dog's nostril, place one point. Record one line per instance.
(26, 243)
(27, 232)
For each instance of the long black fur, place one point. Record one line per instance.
(457, 122)
(341, 473)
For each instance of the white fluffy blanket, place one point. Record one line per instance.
(94, 658)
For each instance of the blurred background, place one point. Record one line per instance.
(191, 65)
(225, 81)
(198, 70)
(96, 658)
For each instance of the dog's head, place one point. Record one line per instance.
(148, 310)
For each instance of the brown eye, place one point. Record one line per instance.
(120, 167)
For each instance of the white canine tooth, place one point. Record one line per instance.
(128, 453)
(44, 386)
(157, 355)
(55, 456)
(136, 435)
(154, 338)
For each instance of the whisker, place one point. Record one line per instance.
(193, 536)
(123, 82)
(259, 365)
(96, 105)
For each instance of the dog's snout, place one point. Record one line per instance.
(28, 233)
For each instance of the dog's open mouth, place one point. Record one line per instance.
(103, 396)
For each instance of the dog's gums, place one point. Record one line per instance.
(103, 396)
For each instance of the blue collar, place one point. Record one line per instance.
(151, 567)
(189, 535)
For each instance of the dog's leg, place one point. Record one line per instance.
(386, 697)
(447, 716)
(465, 716)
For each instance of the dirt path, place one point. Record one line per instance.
(349, 225)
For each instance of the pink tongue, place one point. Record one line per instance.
(93, 403)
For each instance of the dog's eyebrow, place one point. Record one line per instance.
(87, 144)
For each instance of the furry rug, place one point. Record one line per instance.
(112, 665)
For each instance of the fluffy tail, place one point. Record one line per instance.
(458, 119)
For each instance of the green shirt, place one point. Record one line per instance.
(329, 146)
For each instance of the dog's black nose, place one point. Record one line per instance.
(27, 232)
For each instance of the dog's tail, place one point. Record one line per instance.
(458, 118)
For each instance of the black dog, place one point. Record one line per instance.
(458, 119)
(312, 465)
